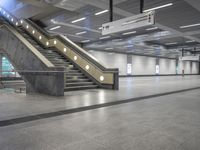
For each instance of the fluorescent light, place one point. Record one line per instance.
(85, 41)
(171, 43)
(127, 33)
(54, 28)
(79, 20)
(190, 41)
(116, 40)
(79, 33)
(101, 12)
(154, 28)
(100, 28)
(109, 48)
(158, 7)
(191, 25)
(127, 46)
(104, 37)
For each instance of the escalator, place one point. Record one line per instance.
(51, 64)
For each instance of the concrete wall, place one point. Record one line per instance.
(143, 65)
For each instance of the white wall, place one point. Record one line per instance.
(167, 66)
(112, 60)
(142, 65)
(195, 67)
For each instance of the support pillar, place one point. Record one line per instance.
(111, 10)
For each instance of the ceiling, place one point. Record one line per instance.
(167, 40)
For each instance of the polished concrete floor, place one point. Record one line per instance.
(169, 122)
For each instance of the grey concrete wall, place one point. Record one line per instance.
(167, 66)
(33, 71)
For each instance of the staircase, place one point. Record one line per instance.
(74, 78)
(51, 68)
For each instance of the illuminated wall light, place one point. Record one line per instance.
(17, 23)
(65, 49)
(40, 37)
(54, 42)
(33, 31)
(27, 26)
(12, 19)
(101, 78)
(47, 43)
(21, 21)
(87, 67)
(75, 57)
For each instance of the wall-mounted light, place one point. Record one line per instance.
(12, 19)
(21, 21)
(40, 37)
(101, 78)
(54, 42)
(75, 57)
(17, 23)
(47, 43)
(65, 49)
(87, 67)
(27, 26)
(33, 32)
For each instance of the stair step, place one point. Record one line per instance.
(78, 84)
(80, 87)
(77, 80)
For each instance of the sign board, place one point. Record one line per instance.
(130, 23)
(191, 58)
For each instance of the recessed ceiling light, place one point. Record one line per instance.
(77, 20)
(154, 28)
(173, 43)
(79, 33)
(189, 26)
(127, 33)
(158, 7)
(101, 12)
(127, 46)
(109, 48)
(104, 37)
(54, 28)
(191, 41)
(85, 41)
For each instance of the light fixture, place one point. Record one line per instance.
(16, 23)
(54, 42)
(27, 26)
(40, 37)
(21, 21)
(100, 28)
(154, 28)
(8, 15)
(75, 57)
(87, 67)
(12, 19)
(4, 12)
(54, 28)
(101, 78)
(189, 26)
(127, 46)
(83, 32)
(128, 33)
(101, 12)
(109, 48)
(64, 49)
(85, 41)
(173, 43)
(158, 7)
(104, 37)
(47, 43)
(190, 41)
(33, 32)
(116, 40)
(81, 19)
